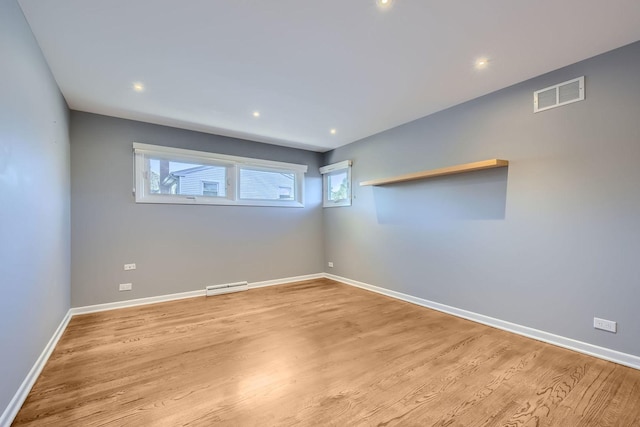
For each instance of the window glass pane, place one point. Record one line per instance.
(210, 188)
(338, 184)
(266, 185)
(190, 179)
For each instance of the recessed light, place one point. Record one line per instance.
(333, 131)
(383, 3)
(482, 63)
(256, 114)
(138, 87)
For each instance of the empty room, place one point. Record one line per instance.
(339, 213)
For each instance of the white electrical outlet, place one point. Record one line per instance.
(330, 264)
(605, 325)
(126, 286)
(128, 267)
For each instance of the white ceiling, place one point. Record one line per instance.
(309, 66)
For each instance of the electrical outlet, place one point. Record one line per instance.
(128, 267)
(126, 286)
(605, 325)
(330, 264)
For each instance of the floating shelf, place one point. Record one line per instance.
(450, 170)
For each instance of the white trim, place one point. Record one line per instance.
(286, 280)
(135, 302)
(174, 199)
(199, 155)
(14, 406)
(335, 166)
(182, 295)
(625, 359)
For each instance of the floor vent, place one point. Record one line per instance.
(558, 95)
(226, 288)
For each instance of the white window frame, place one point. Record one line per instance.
(296, 190)
(142, 152)
(334, 169)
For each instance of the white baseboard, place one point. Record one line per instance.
(625, 359)
(182, 295)
(135, 302)
(286, 280)
(14, 406)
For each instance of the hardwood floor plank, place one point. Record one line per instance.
(316, 353)
(483, 389)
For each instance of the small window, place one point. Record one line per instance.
(336, 184)
(210, 189)
(285, 193)
(172, 175)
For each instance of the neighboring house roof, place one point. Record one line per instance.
(185, 172)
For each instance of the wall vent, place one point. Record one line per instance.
(226, 288)
(558, 95)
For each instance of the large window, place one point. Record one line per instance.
(172, 175)
(336, 184)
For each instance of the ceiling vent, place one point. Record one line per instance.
(560, 94)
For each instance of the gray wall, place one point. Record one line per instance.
(549, 243)
(34, 201)
(177, 248)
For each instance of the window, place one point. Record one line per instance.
(185, 178)
(172, 175)
(263, 184)
(336, 184)
(210, 188)
(285, 192)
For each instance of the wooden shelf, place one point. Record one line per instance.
(450, 170)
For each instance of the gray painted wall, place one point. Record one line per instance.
(549, 243)
(34, 196)
(177, 248)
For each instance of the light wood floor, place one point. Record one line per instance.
(317, 353)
